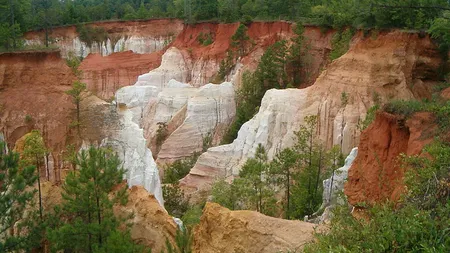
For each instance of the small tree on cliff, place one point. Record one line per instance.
(34, 152)
(78, 88)
(16, 195)
(312, 161)
(86, 219)
(240, 39)
(254, 183)
(284, 167)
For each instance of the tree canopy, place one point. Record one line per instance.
(18, 16)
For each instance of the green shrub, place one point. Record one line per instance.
(370, 117)
(28, 119)
(174, 200)
(404, 107)
(92, 34)
(161, 134)
(438, 106)
(344, 99)
(205, 39)
(340, 43)
(192, 216)
(179, 169)
(73, 62)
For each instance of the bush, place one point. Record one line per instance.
(340, 43)
(73, 62)
(370, 117)
(174, 200)
(205, 39)
(179, 169)
(161, 134)
(92, 34)
(404, 107)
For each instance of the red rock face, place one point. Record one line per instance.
(105, 75)
(33, 84)
(376, 174)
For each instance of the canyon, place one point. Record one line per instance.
(151, 97)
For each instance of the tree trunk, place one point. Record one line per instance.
(11, 3)
(39, 187)
(288, 194)
(89, 233)
(78, 119)
(99, 217)
(318, 172)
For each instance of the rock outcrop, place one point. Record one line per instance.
(222, 230)
(194, 116)
(152, 225)
(110, 125)
(141, 37)
(376, 174)
(395, 65)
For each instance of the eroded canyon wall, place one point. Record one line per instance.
(377, 172)
(394, 65)
(144, 36)
(32, 96)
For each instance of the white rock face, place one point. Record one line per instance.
(162, 96)
(137, 44)
(131, 147)
(192, 114)
(173, 66)
(334, 185)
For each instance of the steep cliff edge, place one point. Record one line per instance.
(32, 86)
(222, 230)
(104, 75)
(394, 65)
(144, 36)
(376, 174)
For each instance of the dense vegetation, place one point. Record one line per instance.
(84, 221)
(295, 173)
(18, 16)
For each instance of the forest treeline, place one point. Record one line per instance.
(18, 16)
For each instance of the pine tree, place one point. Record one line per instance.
(254, 183)
(87, 221)
(77, 91)
(240, 39)
(34, 152)
(283, 167)
(16, 196)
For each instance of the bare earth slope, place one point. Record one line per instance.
(225, 231)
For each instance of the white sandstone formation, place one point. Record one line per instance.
(333, 186)
(161, 96)
(193, 114)
(137, 44)
(173, 66)
(131, 146)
